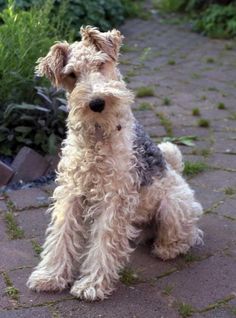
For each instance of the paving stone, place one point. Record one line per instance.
(207, 197)
(28, 198)
(204, 282)
(223, 161)
(219, 233)
(49, 188)
(28, 165)
(215, 179)
(227, 208)
(147, 267)
(3, 206)
(135, 302)
(33, 222)
(40, 312)
(3, 234)
(16, 253)
(19, 278)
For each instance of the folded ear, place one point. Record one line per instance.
(52, 64)
(107, 42)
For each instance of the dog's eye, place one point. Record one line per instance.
(101, 65)
(72, 75)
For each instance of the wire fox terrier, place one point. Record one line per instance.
(112, 178)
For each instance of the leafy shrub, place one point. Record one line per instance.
(218, 21)
(215, 18)
(40, 126)
(24, 37)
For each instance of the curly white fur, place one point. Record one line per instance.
(99, 200)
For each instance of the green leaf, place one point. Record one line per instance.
(52, 144)
(23, 129)
(183, 140)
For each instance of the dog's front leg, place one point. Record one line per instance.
(62, 247)
(107, 252)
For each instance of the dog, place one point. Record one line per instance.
(112, 179)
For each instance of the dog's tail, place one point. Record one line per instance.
(172, 155)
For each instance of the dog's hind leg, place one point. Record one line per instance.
(61, 248)
(176, 218)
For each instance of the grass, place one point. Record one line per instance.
(189, 258)
(203, 123)
(171, 62)
(13, 230)
(10, 290)
(167, 290)
(213, 89)
(210, 60)
(196, 112)
(203, 97)
(166, 123)
(36, 247)
(128, 277)
(145, 106)
(145, 54)
(144, 91)
(221, 106)
(166, 101)
(233, 116)
(230, 191)
(229, 46)
(193, 168)
(185, 310)
(127, 48)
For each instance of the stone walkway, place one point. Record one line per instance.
(187, 75)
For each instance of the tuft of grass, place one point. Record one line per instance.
(203, 123)
(131, 73)
(230, 191)
(205, 152)
(210, 60)
(36, 247)
(166, 123)
(128, 276)
(13, 230)
(185, 310)
(193, 168)
(189, 258)
(127, 48)
(229, 46)
(144, 91)
(171, 62)
(10, 290)
(233, 116)
(203, 97)
(145, 106)
(167, 290)
(221, 106)
(146, 54)
(196, 112)
(166, 101)
(213, 89)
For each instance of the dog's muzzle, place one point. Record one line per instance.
(97, 105)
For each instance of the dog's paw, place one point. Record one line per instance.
(42, 281)
(87, 290)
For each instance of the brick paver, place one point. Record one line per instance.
(174, 62)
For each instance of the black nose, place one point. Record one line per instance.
(97, 105)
